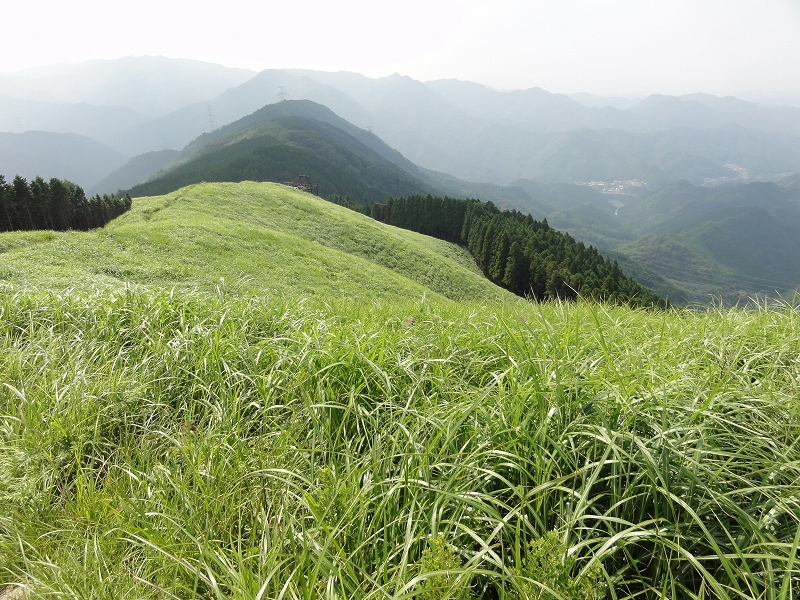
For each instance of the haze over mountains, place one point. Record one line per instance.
(633, 177)
(149, 85)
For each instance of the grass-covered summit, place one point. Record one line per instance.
(261, 238)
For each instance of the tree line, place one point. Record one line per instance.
(58, 205)
(515, 251)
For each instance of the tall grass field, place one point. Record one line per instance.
(437, 440)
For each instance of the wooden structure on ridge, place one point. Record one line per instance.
(303, 183)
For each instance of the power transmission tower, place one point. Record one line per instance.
(210, 119)
(369, 129)
(282, 95)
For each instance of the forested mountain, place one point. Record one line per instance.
(692, 242)
(63, 155)
(280, 141)
(180, 127)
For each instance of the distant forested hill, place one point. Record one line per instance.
(280, 141)
(279, 150)
(731, 242)
(137, 170)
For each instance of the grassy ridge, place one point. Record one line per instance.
(203, 446)
(259, 237)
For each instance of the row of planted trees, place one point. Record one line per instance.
(58, 205)
(514, 251)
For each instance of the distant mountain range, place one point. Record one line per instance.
(102, 123)
(456, 127)
(63, 155)
(668, 185)
(150, 85)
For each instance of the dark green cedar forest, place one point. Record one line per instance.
(525, 256)
(58, 205)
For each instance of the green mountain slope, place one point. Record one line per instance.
(732, 242)
(280, 141)
(282, 148)
(259, 237)
(691, 243)
(682, 204)
(135, 171)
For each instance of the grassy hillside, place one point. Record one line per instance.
(330, 423)
(258, 237)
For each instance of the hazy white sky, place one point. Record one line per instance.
(632, 47)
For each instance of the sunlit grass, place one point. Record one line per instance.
(260, 238)
(199, 445)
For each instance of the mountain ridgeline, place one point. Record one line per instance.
(56, 205)
(278, 142)
(516, 252)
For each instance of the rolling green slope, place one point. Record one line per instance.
(257, 237)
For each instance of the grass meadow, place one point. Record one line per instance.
(162, 445)
(241, 391)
